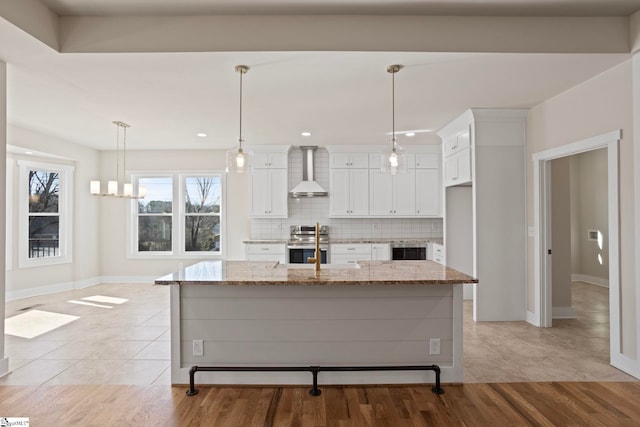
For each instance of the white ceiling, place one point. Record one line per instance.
(342, 98)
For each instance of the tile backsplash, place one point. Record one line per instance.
(312, 210)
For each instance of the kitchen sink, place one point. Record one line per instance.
(322, 267)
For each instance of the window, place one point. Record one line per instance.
(180, 216)
(45, 200)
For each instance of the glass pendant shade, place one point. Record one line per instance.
(239, 160)
(393, 159)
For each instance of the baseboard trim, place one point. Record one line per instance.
(592, 280)
(626, 364)
(4, 367)
(80, 284)
(563, 313)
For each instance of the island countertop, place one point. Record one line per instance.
(272, 273)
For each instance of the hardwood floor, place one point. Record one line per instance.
(544, 404)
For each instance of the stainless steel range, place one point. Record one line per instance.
(302, 243)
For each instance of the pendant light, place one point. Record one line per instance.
(393, 159)
(240, 160)
(113, 187)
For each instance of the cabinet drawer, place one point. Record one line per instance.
(272, 249)
(347, 249)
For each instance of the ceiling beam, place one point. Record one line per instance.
(34, 18)
(344, 33)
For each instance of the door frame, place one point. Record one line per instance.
(542, 314)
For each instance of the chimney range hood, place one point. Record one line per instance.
(308, 187)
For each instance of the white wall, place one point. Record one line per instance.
(589, 196)
(597, 106)
(86, 219)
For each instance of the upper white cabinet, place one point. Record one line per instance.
(392, 195)
(456, 150)
(349, 192)
(270, 160)
(360, 188)
(268, 197)
(349, 160)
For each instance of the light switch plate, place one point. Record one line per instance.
(198, 348)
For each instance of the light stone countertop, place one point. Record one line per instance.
(272, 273)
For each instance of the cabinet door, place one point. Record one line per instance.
(404, 193)
(339, 204)
(359, 191)
(451, 170)
(278, 193)
(359, 160)
(380, 252)
(380, 193)
(428, 192)
(339, 160)
(259, 200)
(266, 160)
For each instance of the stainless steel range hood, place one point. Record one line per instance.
(308, 187)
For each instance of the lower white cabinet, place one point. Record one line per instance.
(266, 252)
(380, 252)
(343, 253)
(438, 253)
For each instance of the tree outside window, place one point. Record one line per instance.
(202, 214)
(155, 215)
(44, 214)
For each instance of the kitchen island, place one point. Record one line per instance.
(270, 314)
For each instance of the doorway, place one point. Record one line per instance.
(543, 237)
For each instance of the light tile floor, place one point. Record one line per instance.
(130, 342)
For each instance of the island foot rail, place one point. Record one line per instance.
(315, 391)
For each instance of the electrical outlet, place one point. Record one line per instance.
(198, 348)
(434, 346)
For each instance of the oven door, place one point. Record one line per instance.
(300, 255)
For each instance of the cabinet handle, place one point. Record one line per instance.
(264, 249)
(351, 249)
(454, 178)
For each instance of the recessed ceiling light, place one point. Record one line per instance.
(306, 134)
(410, 134)
(412, 131)
(28, 152)
(202, 135)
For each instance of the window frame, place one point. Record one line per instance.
(65, 213)
(178, 228)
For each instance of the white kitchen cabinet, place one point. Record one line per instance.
(380, 252)
(457, 168)
(349, 253)
(439, 253)
(349, 192)
(269, 160)
(268, 191)
(268, 196)
(428, 193)
(349, 160)
(392, 195)
(457, 158)
(266, 252)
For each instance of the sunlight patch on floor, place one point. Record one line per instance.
(108, 300)
(72, 301)
(35, 322)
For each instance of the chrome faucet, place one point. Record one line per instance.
(317, 255)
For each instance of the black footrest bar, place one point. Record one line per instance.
(315, 391)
